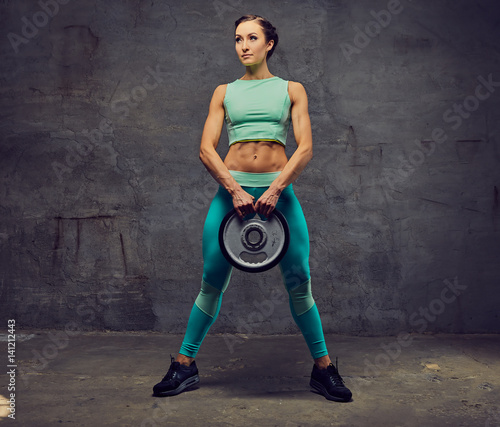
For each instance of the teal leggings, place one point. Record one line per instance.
(217, 271)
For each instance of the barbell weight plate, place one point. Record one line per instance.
(254, 245)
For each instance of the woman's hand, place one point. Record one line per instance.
(267, 202)
(243, 203)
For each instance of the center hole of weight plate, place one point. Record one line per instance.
(254, 236)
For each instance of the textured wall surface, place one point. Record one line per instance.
(103, 197)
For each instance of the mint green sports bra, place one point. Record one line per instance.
(257, 110)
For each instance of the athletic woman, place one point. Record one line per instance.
(256, 177)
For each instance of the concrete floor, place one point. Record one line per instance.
(105, 379)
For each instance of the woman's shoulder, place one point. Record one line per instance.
(220, 90)
(222, 87)
(296, 90)
(295, 85)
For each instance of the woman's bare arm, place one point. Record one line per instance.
(242, 201)
(302, 155)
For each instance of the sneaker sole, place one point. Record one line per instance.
(182, 386)
(322, 390)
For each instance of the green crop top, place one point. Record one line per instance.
(257, 110)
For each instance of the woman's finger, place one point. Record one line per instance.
(266, 204)
(243, 204)
(247, 209)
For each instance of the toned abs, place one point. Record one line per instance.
(256, 156)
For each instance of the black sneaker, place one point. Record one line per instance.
(330, 384)
(178, 378)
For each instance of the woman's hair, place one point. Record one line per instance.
(267, 27)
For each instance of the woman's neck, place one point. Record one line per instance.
(257, 72)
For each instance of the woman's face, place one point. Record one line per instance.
(251, 45)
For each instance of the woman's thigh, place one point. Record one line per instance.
(295, 264)
(216, 269)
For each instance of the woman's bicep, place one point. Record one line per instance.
(300, 115)
(215, 118)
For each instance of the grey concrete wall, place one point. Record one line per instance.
(103, 197)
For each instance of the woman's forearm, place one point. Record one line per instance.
(294, 167)
(216, 167)
(303, 136)
(267, 202)
(242, 201)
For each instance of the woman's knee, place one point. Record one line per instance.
(295, 268)
(208, 299)
(217, 274)
(301, 298)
